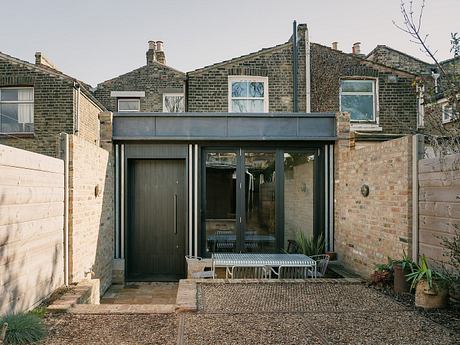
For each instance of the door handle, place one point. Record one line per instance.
(175, 213)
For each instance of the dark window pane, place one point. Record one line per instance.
(256, 89)
(357, 85)
(240, 89)
(9, 94)
(361, 108)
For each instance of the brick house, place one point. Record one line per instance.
(249, 161)
(154, 87)
(435, 114)
(37, 102)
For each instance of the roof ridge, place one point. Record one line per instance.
(258, 52)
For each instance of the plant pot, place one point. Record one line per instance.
(434, 298)
(400, 284)
(332, 256)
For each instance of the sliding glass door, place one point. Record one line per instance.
(257, 200)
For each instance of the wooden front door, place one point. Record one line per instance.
(156, 220)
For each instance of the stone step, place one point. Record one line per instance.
(122, 309)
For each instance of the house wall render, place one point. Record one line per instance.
(31, 228)
(369, 229)
(439, 203)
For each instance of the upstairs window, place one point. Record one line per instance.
(448, 113)
(358, 97)
(173, 103)
(248, 94)
(129, 104)
(17, 110)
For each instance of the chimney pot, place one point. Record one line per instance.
(335, 45)
(356, 50)
(41, 59)
(152, 45)
(159, 46)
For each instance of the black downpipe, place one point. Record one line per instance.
(295, 67)
(186, 92)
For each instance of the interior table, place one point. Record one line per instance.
(278, 264)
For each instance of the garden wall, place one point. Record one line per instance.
(90, 212)
(439, 203)
(370, 228)
(31, 228)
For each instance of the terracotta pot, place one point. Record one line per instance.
(400, 284)
(436, 297)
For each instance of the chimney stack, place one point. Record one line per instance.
(151, 52)
(356, 50)
(159, 53)
(42, 60)
(335, 45)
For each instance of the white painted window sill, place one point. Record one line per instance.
(365, 127)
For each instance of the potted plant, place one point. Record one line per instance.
(431, 288)
(401, 268)
(383, 274)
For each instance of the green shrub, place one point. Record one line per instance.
(23, 328)
(309, 245)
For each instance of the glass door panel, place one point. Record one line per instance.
(299, 168)
(259, 232)
(221, 209)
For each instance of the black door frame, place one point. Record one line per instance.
(279, 149)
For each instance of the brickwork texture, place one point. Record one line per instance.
(369, 229)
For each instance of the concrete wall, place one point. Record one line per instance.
(369, 229)
(31, 228)
(90, 212)
(439, 203)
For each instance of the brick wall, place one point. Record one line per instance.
(369, 229)
(90, 212)
(298, 201)
(399, 60)
(155, 79)
(439, 203)
(397, 98)
(53, 106)
(31, 228)
(88, 120)
(208, 87)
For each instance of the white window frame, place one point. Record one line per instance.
(374, 93)
(20, 102)
(172, 94)
(421, 106)
(128, 99)
(448, 114)
(250, 79)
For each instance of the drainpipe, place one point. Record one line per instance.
(77, 110)
(418, 152)
(307, 72)
(64, 141)
(294, 67)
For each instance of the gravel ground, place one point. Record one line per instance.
(111, 329)
(270, 313)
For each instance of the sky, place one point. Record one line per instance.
(96, 40)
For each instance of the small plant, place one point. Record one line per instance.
(423, 272)
(23, 328)
(383, 273)
(309, 245)
(406, 262)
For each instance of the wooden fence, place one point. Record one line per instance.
(31, 228)
(439, 203)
